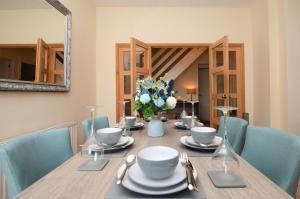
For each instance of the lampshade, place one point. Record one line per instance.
(191, 91)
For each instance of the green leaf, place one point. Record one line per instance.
(137, 105)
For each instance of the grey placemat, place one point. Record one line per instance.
(119, 192)
(91, 165)
(230, 180)
(116, 154)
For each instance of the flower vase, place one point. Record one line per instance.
(156, 127)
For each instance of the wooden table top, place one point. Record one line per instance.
(66, 182)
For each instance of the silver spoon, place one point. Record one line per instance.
(130, 160)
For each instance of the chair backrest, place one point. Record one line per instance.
(27, 158)
(276, 154)
(236, 131)
(99, 123)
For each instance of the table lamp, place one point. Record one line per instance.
(191, 91)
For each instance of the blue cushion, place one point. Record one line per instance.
(100, 122)
(26, 159)
(276, 154)
(236, 130)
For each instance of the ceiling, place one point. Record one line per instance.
(24, 4)
(177, 3)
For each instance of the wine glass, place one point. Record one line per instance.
(92, 145)
(123, 122)
(193, 122)
(183, 113)
(224, 158)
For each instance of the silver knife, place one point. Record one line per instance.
(193, 182)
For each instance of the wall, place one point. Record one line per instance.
(166, 25)
(22, 112)
(276, 50)
(292, 46)
(261, 76)
(189, 78)
(32, 23)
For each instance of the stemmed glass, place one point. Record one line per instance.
(224, 154)
(183, 113)
(123, 123)
(193, 122)
(92, 145)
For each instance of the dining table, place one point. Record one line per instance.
(67, 182)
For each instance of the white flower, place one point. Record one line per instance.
(171, 102)
(136, 98)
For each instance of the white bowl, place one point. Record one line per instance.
(158, 162)
(203, 135)
(187, 120)
(109, 136)
(130, 120)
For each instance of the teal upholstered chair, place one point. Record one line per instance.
(100, 122)
(236, 130)
(276, 154)
(26, 159)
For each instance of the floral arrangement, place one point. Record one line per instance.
(153, 96)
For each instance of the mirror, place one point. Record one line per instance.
(35, 44)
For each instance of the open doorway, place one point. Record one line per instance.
(209, 73)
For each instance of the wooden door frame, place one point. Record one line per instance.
(178, 45)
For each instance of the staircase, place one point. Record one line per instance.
(173, 61)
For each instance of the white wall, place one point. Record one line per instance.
(22, 112)
(261, 72)
(292, 46)
(166, 25)
(187, 79)
(276, 48)
(31, 24)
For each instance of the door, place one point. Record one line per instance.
(41, 61)
(203, 92)
(226, 79)
(133, 62)
(219, 79)
(55, 70)
(140, 63)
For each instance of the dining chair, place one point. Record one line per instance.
(99, 123)
(236, 130)
(276, 154)
(26, 159)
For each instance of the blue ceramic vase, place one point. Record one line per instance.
(156, 127)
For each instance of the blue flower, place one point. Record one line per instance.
(145, 98)
(170, 87)
(145, 91)
(161, 94)
(159, 102)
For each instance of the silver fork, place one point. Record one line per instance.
(183, 158)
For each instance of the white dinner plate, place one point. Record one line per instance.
(136, 175)
(122, 141)
(108, 149)
(185, 143)
(137, 125)
(132, 186)
(215, 143)
(180, 125)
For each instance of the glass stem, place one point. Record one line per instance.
(225, 126)
(183, 105)
(92, 131)
(193, 114)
